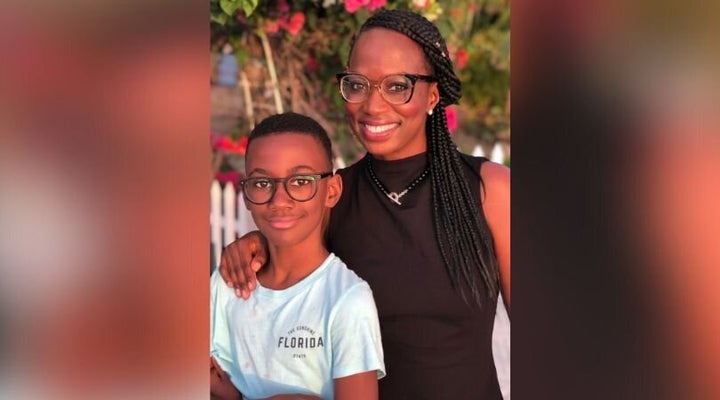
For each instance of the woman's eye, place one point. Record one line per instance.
(358, 86)
(397, 87)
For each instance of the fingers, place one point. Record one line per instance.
(228, 264)
(250, 263)
(241, 260)
(258, 259)
(250, 267)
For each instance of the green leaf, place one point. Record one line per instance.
(241, 54)
(229, 6)
(220, 18)
(249, 6)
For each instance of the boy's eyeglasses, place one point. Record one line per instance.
(301, 187)
(395, 89)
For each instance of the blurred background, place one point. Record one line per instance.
(275, 56)
(283, 56)
(104, 171)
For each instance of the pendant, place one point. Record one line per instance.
(394, 197)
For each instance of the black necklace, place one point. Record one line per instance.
(395, 197)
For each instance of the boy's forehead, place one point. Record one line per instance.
(287, 147)
(302, 142)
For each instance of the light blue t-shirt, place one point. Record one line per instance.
(299, 339)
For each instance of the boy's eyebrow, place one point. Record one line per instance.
(293, 170)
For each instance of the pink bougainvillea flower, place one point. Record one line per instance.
(229, 177)
(283, 6)
(242, 145)
(214, 137)
(228, 145)
(451, 115)
(312, 64)
(352, 6)
(422, 4)
(295, 24)
(271, 27)
(461, 59)
(375, 4)
(222, 143)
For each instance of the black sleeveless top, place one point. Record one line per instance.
(436, 346)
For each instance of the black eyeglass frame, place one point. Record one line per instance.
(319, 176)
(412, 77)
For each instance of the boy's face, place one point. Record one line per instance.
(283, 220)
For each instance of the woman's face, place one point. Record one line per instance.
(388, 131)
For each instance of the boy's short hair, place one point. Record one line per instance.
(291, 122)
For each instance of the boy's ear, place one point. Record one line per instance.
(334, 190)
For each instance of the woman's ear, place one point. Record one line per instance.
(334, 190)
(433, 96)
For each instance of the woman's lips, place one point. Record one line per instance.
(377, 131)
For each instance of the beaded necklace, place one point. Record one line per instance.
(393, 196)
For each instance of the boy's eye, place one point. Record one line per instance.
(300, 181)
(262, 183)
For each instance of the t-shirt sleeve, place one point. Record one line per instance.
(355, 334)
(219, 329)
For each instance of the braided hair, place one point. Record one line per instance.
(461, 230)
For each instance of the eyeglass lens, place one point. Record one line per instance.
(395, 89)
(298, 187)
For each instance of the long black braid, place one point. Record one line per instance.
(461, 231)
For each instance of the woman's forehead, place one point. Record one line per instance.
(380, 46)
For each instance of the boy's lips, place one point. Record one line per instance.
(282, 222)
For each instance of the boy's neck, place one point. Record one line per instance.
(290, 265)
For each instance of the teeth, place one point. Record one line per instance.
(379, 128)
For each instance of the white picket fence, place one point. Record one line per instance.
(229, 219)
(496, 155)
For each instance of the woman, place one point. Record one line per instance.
(426, 226)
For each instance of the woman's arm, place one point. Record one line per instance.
(496, 206)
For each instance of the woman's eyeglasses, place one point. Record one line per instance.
(395, 89)
(301, 187)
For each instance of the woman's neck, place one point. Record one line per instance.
(395, 157)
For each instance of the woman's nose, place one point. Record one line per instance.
(375, 100)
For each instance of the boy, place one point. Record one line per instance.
(310, 330)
